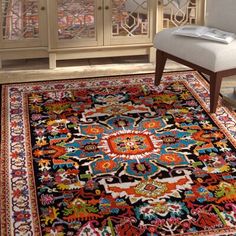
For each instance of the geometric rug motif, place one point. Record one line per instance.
(117, 156)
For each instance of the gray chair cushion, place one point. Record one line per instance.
(208, 54)
(221, 14)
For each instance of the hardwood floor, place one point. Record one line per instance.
(37, 70)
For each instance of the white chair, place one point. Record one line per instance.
(217, 60)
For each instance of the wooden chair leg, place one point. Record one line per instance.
(215, 84)
(160, 65)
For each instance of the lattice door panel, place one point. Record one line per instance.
(76, 19)
(129, 17)
(179, 12)
(20, 19)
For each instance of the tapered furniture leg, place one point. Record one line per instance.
(160, 65)
(215, 84)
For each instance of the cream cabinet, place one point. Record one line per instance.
(75, 29)
(100, 28)
(22, 29)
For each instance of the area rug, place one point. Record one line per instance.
(117, 156)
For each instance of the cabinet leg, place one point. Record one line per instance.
(152, 55)
(0, 62)
(52, 60)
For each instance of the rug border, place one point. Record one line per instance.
(205, 106)
(3, 168)
(29, 160)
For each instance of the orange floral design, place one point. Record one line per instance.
(105, 165)
(152, 124)
(170, 158)
(94, 130)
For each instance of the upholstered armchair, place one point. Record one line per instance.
(215, 59)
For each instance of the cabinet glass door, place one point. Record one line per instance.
(181, 12)
(20, 22)
(130, 20)
(76, 22)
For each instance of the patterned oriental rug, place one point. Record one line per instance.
(117, 156)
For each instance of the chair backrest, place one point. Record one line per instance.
(221, 14)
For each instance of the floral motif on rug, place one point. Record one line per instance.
(117, 156)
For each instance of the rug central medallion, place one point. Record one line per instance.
(130, 144)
